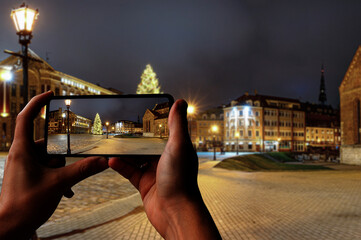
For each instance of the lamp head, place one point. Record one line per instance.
(24, 18)
(67, 102)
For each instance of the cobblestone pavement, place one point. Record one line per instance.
(94, 191)
(128, 146)
(272, 205)
(98, 144)
(57, 143)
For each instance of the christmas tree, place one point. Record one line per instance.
(149, 82)
(97, 127)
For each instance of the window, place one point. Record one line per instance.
(241, 113)
(249, 133)
(257, 133)
(257, 113)
(241, 133)
(257, 123)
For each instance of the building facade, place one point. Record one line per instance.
(128, 127)
(350, 107)
(155, 121)
(322, 127)
(209, 129)
(58, 121)
(264, 123)
(42, 78)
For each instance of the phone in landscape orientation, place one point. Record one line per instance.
(107, 125)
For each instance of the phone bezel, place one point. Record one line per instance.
(130, 96)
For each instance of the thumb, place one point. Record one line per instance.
(82, 169)
(177, 121)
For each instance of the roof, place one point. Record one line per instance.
(242, 100)
(161, 106)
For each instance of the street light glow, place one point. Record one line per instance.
(107, 123)
(245, 111)
(6, 75)
(214, 128)
(24, 18)
(190, 109)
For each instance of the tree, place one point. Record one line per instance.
(149, 82)
(97, 127)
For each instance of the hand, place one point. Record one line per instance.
(169, 188)
(31, 191)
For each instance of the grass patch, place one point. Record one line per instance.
(258, 162)
(282, 156)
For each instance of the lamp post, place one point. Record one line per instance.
(190, 111)
(160, 130)
(237, 137)
(24, 19)
(107, 125)
(67, 103)
(214, 131)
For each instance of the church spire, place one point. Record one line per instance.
(322, 96)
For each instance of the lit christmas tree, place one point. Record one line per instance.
(149, 82)
(97, 127)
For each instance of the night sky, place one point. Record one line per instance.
(206, 51)
(109, 109)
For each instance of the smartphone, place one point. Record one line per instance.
(107, 125)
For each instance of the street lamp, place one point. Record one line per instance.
(107, 124)
(160, 130)
(5, 76)
(214, 131)
(237, 137)
(24, 19)
(67, 103)
(190, 111)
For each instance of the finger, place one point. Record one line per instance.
(82, 169)
(130, 172)
(53, 162)
(177, 121)
(24, 120)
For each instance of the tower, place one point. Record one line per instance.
(322, 96)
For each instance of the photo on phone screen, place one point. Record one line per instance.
(108, 125)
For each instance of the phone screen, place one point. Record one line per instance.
(107, 125)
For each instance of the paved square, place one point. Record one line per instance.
(274, 205)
